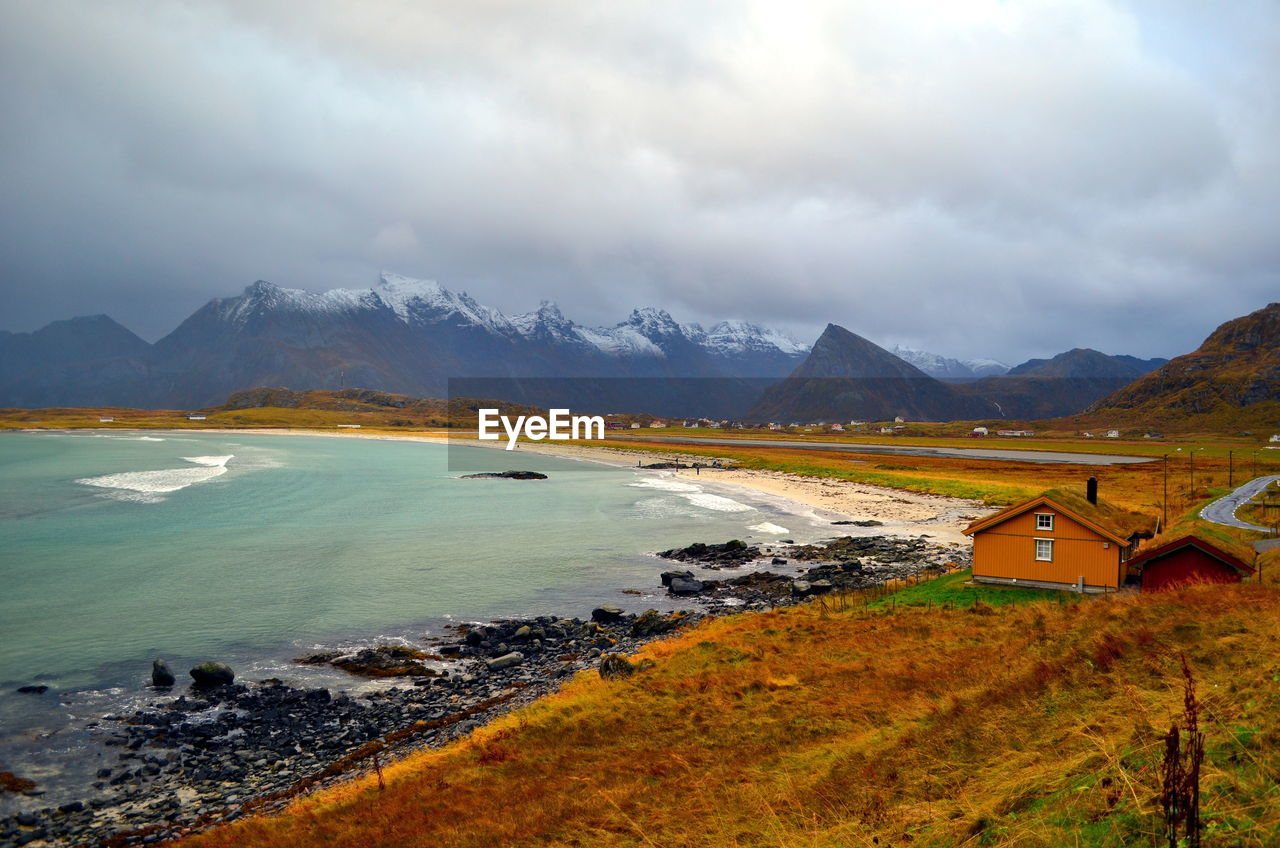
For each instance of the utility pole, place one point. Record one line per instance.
(1164, 501)
(1191, 454)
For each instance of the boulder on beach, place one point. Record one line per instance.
(614, 666)
(209, 674)
(161, 674)
(505, 661)
(667, 576)
(606, 614)
(653, 623)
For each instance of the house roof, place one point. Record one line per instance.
(1228, 558)
(1103, 518)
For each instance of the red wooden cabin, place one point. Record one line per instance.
(1188, 560)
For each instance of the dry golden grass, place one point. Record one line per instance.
(1028, 725)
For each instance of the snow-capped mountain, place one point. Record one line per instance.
(413, 337)
(946, 368)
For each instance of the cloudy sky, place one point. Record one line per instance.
(977, 178)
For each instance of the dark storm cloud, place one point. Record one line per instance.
(976, 178)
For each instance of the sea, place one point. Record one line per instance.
(120, 547)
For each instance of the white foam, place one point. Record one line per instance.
(146, 439)
(766, 527)
(211, 461)
(717, 503)
(664, 484)
(151, 486)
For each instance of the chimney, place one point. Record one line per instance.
(1091, 490)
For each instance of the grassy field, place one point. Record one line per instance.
(1033, 723)
(936, 714)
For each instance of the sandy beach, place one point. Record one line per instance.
(900, 512)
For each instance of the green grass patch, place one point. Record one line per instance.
(956, 590)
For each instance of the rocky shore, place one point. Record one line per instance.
(215, 752)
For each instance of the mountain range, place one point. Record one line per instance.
(417, 338)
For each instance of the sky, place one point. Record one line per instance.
(972, 177)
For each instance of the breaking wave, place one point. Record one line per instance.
(152, 486)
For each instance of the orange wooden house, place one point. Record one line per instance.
(1058, 540)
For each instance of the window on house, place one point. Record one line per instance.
(1044, 521)
(1044, 550)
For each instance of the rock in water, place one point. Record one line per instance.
(506, 475)
(37, 689)
(161, 674)
(680, 586)
(212, 674)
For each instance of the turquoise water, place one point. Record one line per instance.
(118, 548)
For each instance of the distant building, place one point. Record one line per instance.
(1153, 435)
(838, 428)
(348, 426)
(1275, 438)
(105, 420)
(657, 423)
(1113, 434)
(1015, 432)
(635, 425)
(980, 431)
(1058, 540)
(898, 419)
(885, 431)
(1087, 435)
(195, 417)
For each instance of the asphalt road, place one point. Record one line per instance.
(1223, 510)
(1042, 457)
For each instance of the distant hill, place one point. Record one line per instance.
(1087, 364)
(846, 377)
(372, 407)
(88, 361)
(849, 377)
(1233, 379)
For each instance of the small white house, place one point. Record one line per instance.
(195, 417)
(348, 426)
(1113, 434)
(898, 419)
(980, 431)
(656, 423)
(105, 420)
(1275, 438)
(838, 428)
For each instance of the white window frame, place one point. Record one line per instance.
(1049, 543)
(1041, 524)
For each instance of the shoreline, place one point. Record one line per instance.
(898, 510)
(154, 775)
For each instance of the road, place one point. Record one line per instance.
(1223, 510)
(1042, 457)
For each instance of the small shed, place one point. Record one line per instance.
(1188, 560)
